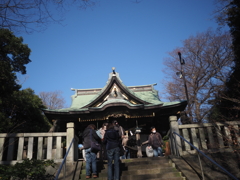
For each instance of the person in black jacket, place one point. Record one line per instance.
(118, 128)
(112, 141)
(89, 135)
(124, 139)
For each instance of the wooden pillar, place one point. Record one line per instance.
(139, 148)
(70, 136)
(176, 146)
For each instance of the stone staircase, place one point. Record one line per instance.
(141, 169)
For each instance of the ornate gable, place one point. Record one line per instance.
(116, 91)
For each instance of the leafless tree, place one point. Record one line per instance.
(29, 15)
(208, 60)
(52, 100)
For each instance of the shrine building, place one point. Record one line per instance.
(136, 108)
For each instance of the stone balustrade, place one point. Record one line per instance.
(15, 147)
(19, 146)
(208, 137)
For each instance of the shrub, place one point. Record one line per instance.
(28, 169)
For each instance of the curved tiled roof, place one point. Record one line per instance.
(84, 100)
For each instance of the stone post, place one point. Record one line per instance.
(70, 136)
(174, 139)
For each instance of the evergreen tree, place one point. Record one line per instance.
(229, 100)
(20, 110)
(13, 51)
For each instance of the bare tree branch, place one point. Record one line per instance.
(52, 100)
(33, 15)
(209, 59)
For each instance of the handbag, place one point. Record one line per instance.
(95, 147)
(149, 151)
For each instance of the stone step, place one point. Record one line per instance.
(162, 159)
(162, 176)
(129, 167)
(155, 160)
(132, 162)
(139, 167)
(151, 176)
(144, 159)
(148, 170)
(138, 172)
(135, 165)
(172, 178)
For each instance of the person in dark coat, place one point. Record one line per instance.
(155, 140)
(118, 128)
(89, 135)
(103, 153)
(112, 141)
(124, 139)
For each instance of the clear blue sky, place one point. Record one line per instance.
(133, 37)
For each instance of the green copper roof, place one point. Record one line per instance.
(149, 96)
(81, 101)
(146, 95)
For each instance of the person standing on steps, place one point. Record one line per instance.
(123, 138)
(155, 141)
(103, 129)
(89, 135)
(112, 141)
(118, 128)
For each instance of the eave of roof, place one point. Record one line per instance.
(113, 103)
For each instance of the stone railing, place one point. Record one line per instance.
(18, 146)
(208, 137)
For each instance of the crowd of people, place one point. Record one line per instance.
(112, 139)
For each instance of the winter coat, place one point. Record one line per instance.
(155, 140)
(111, 139)
(87, 137)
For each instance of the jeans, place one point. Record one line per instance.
(113, 154)
(91, 161)
(157, 152)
